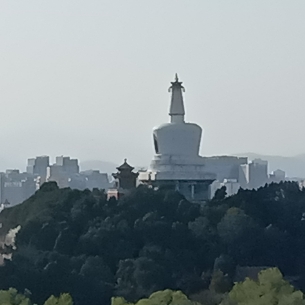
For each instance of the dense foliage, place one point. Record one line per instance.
(78, 242)
(167, 297)
(269, 289)
(12, 297)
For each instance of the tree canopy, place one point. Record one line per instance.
(166, 297)
(93, 248)
(12, 297)
(269, 289)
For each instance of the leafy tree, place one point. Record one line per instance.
(12, 297)
(208, 297)
(220, 194)
(63, 299)
(140, 277)
(241, 235)
(78, 242)
(225, 264)
(270, 289)
(201, 228)
(166, 297)
(96, 269)
(220, 283)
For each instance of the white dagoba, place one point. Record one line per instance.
(177, 143)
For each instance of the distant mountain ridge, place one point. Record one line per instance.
(293, 166)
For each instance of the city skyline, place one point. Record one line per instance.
(151, 152)
(77, 82)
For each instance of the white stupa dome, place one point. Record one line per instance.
(177, 163)
(177, 139)
(176, 142)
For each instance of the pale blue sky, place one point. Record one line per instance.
(89, 78)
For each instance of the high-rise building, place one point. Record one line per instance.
(68, 165)
(258, 173)
(95, 179)
(65, 172)
(277, 176)
(38, 167)
(15, 187)
(56, 173)
(225, 167)
(243, 177)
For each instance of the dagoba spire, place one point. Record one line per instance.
(176, 110)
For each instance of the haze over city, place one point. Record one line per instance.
(89, 78)
(152, 152)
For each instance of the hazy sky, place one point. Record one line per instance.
(89, 78)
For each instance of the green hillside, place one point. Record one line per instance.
(79, 243)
